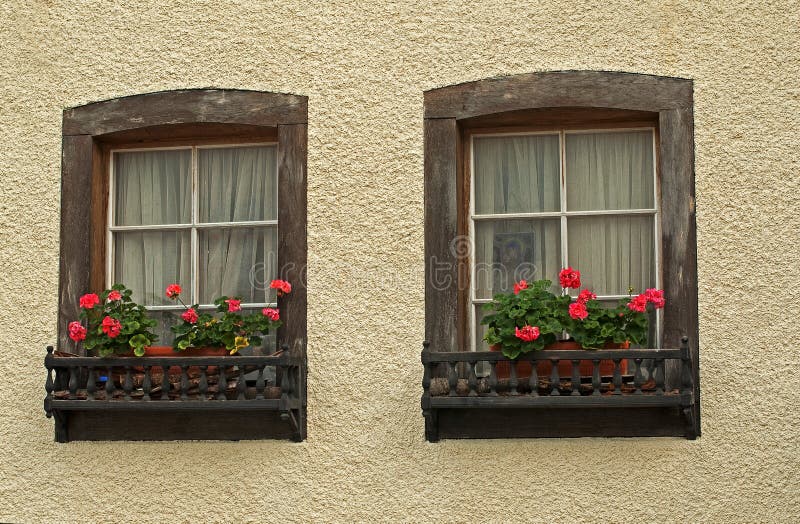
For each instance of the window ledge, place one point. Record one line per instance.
(122, 398)
(654, 396)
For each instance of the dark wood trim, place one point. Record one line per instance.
(559, 99)
(441, 241)
(558, 89)
(221, 106)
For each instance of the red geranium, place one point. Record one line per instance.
(173, 290)
(519, 286)
(586, 296)
(233, 304)
(527, 333)
(570, 278)
(282, 286)
(190, 315)
(577, 310)
(76, 331)
(638, 303)
(111, 327)
(655, 297)
(271, 313)
(114, 295)
(88, 301)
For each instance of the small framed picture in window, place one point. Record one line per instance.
(512, 259)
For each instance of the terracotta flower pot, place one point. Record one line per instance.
(585, 367)
(503, 369)
(168, 351)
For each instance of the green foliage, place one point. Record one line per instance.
(135, 325)
(232, 330)
(608, 325)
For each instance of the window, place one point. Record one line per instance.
(518, 173)
(205, 216)
(540, 201)
(204, 187)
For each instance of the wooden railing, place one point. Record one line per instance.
(641, 378)
(191, 384)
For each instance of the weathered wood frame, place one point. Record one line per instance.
(218, 114)
(449, 110)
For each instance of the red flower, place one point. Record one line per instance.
(76, 331)
(655, 297)
(283, 287)
(527, 333)
(570, 278)
(577, 310)
(233, 304)
(586, 296)
(173, 290)
(111, 327)
(271, 313)
(114, 295)
(89, 301)
(638, 303)
(519, 286)
(190, 316)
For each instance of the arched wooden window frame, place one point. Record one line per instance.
(447, 109)
(167, 115)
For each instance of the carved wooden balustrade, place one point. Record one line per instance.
(654, 396)
(245, 386)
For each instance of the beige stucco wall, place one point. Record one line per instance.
(364, 67)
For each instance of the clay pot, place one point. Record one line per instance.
(503, 369)
(585, 367)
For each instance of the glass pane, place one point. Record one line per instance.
(147, 262)
(239, 261)
(609, 170)
(613, 253)
(516, 174)
(509, 250)
(152, 187)
(480, 330)
(238, 184)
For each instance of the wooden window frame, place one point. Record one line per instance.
(173, 118)
(538, 101)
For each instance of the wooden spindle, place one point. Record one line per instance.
(73, 382)
(165, 385)
(203, 384)
(110, 384)
(222, 384)
(555, 381)
(659, 374)
(184, 382)
(596, 383)
(492, 379)
(260, 383)
(533, 381)
(127, 385)
(241, 384)
(91, 384)
(576, 378)
(513, 383)
(472, 378)
(147, 385)
(638, 376)
(617, 377)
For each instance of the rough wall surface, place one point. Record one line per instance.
(364, 66)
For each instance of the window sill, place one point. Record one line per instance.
(655, 397)
(132, 404)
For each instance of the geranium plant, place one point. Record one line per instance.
(533, 317)
(112, 323)
(229, 327)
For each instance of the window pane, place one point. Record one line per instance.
(613, 253)
(147, 262)
(239, 261)
(238, 184)
(152, 187)
(516, 174)
(609, 170)
(508, 250)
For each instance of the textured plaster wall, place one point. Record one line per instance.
(364, 67)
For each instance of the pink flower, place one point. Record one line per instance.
(586, 296)
(190, 316)
(519, 286)
(638, 303)
(570, 278)
(271, 313)
(577, 310)
(114, 295)
(527, 333)
(89, 301)
(283, 287)
(173, 290)
(655, 297)
(233, 304)
(76, 331)
(111, 327)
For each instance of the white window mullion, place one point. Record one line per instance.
(195, 248)
(563, 190)
(110, 224)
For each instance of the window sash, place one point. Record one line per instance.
(193, 227)
(562, 214)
